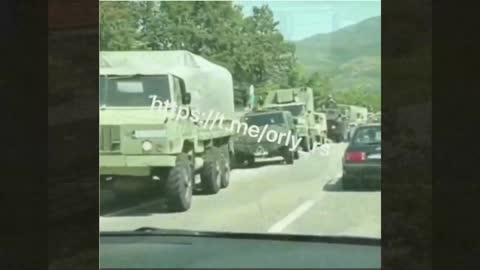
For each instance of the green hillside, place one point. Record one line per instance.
(349, 56)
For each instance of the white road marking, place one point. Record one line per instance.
(126, 210)
(299, 211)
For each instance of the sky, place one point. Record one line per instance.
(302, 19)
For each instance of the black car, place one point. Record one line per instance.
(362, 159)
(247, 148)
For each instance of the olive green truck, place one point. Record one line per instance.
(160, 124)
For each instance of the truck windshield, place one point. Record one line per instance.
(264, 119)
(295, 110)
(133, 90)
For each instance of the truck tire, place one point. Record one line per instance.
(225, 178)
(179, 185)
(211, 174)
(288, 155)
(296, 155)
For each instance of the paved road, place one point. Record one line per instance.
(304, 198)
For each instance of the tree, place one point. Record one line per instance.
(117, 27)
(251, 48)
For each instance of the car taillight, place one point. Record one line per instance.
(355, 156)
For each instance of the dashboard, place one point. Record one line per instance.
(161, 251)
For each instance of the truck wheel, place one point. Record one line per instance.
(179, 185)
(225, 178)
(211, 175)
(288, 155)
(296, 155)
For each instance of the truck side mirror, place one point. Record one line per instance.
(186, 98)
(295, 121)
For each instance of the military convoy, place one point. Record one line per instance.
(142, 146)
(299, 102)
(156, 129)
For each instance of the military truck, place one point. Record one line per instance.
(278, 123)
(299, 101)
(356, 116)
(342, 120)
(147, 146)
(374, 117)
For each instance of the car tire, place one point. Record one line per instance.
(211, 173)
(250, 161)
(238, 160)
(288, 155)
(179, 185)
(348, 183)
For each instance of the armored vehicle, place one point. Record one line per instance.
(278, 138)
(157, 127)
(299, 101)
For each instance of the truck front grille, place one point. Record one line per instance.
(109, 138)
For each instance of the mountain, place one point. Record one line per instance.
(350, 55)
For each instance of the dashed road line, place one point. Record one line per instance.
(298, 212)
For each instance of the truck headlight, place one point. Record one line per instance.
(147, 146)
(159, 133)
(333, 127)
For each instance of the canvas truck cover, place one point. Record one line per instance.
(292, 95)
(210, 85)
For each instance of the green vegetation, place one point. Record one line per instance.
(345, 63)
(349, 56)
(349, 60)
(252, 48)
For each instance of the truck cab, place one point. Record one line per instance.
(150, 133)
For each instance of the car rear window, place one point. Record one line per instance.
(367, 135)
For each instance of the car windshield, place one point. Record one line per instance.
(216, 166)
(367, 135)
(133, 90)
(265, 119)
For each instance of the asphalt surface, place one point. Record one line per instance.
(303, 198)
